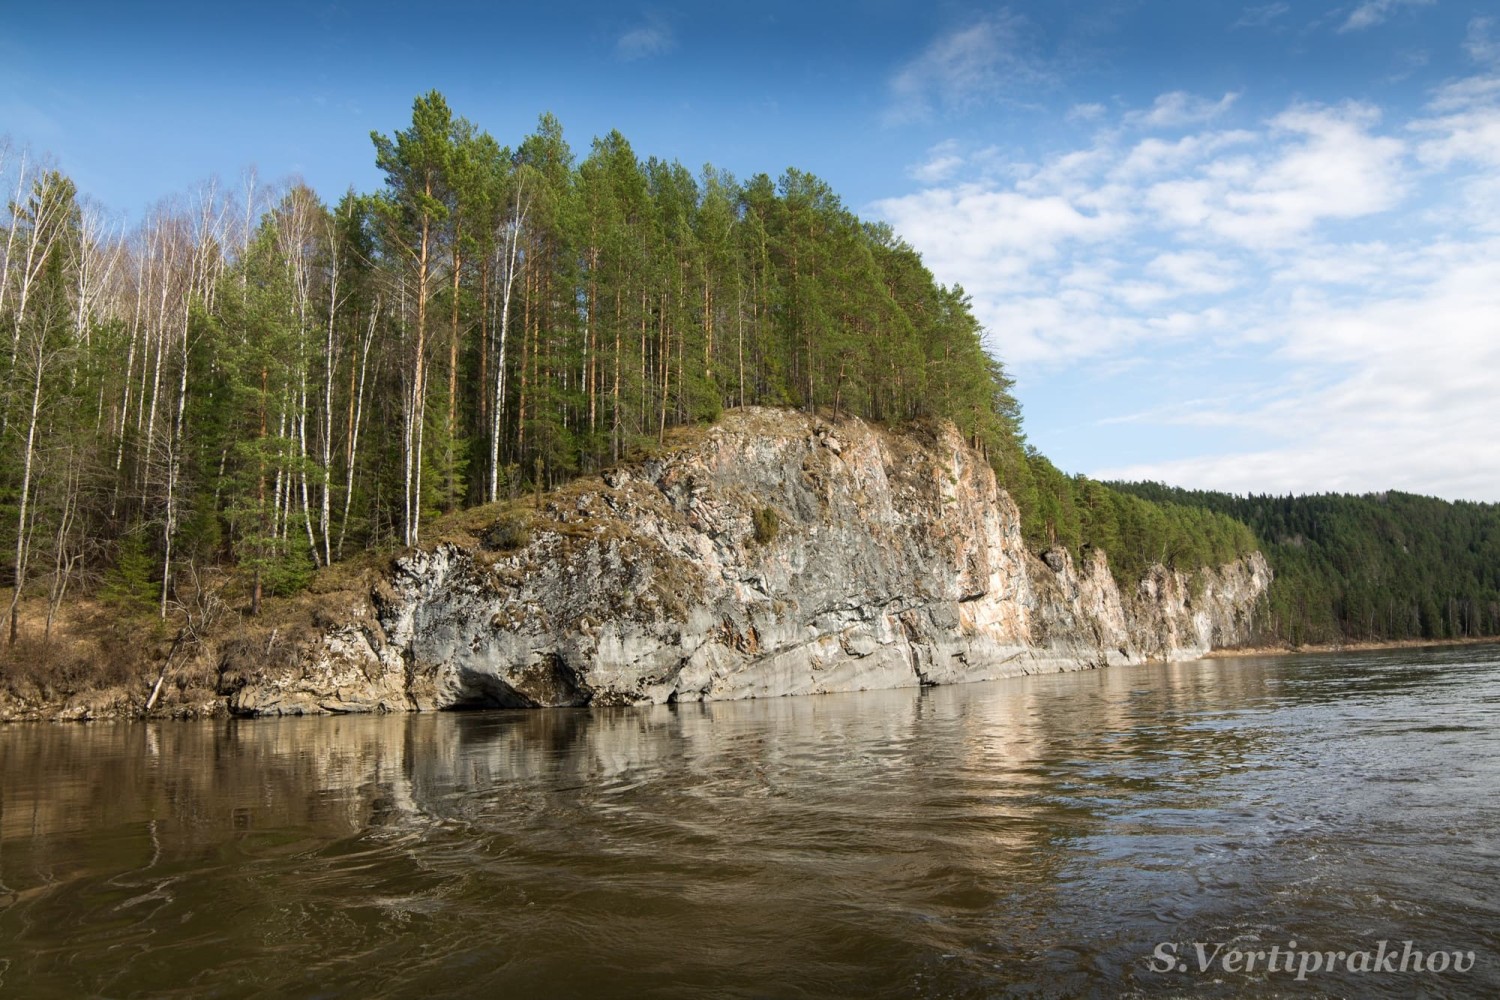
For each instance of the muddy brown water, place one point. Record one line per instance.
(1041, 837)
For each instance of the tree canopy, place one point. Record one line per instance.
(257, 381)
(1374, 567)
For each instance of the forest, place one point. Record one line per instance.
(1366, 568)
(251, 384)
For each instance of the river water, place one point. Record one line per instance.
(1052, 836)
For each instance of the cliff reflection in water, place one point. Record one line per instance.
(1046, 830)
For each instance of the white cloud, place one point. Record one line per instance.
(943, 160)
(1474, 91)
(645, 42)
(1373, 12)
(1480, 42)
(971, 223)
(1463, 134)
(964, 69)
(1178, 108)
(1154, 157)
(1349, 264)
(1410, 404)
(1312, 164)
(1471, 135)
(1333, 167)
(1242, 189)
(1195, 272)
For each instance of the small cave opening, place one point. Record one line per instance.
(479, 691)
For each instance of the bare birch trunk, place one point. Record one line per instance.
(356, 415)
(511, 248)
(27, 467)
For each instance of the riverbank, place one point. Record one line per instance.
(1351, 647)
(98, 661)
(772, 554)
(103, 669)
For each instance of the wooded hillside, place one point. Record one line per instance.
(1353, 568)
(253, 383)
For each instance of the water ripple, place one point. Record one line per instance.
(1036, 837)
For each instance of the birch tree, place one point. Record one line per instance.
(40, 347)
(411, 211)
(507, 260)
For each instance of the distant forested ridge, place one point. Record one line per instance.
(1381, 566)
(250, 383)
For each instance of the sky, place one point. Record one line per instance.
(1249, 247)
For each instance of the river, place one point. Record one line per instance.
(1131, 831)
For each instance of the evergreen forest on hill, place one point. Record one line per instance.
(252, 383)
(1361, 568)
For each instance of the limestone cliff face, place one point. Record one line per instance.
(895, 561)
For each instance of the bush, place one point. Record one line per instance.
(766, 525)
(507, 534)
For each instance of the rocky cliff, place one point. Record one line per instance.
(774, 554)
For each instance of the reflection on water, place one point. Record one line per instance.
(1032, 837)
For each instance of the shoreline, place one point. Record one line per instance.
(115, 706)
(1345, 647)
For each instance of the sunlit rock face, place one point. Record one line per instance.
(775, 554)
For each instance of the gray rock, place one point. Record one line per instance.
(896, 561)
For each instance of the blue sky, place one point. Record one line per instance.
(1237, 246)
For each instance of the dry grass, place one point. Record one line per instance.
(92, 655)
(102, 655)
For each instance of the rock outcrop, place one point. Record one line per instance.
(775, 554)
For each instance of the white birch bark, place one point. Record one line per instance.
(27, 466)
(510, 248)
(359, 406)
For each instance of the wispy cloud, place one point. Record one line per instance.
(1373, 12)
(1261, 16)
(965, 69)
(645, 42)
(1461, 137)
(1480, 42)
(1024, 247)
(1410, 404)
(1348, 260)
(1179, 108)
(943, 160)
(1320, 164)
